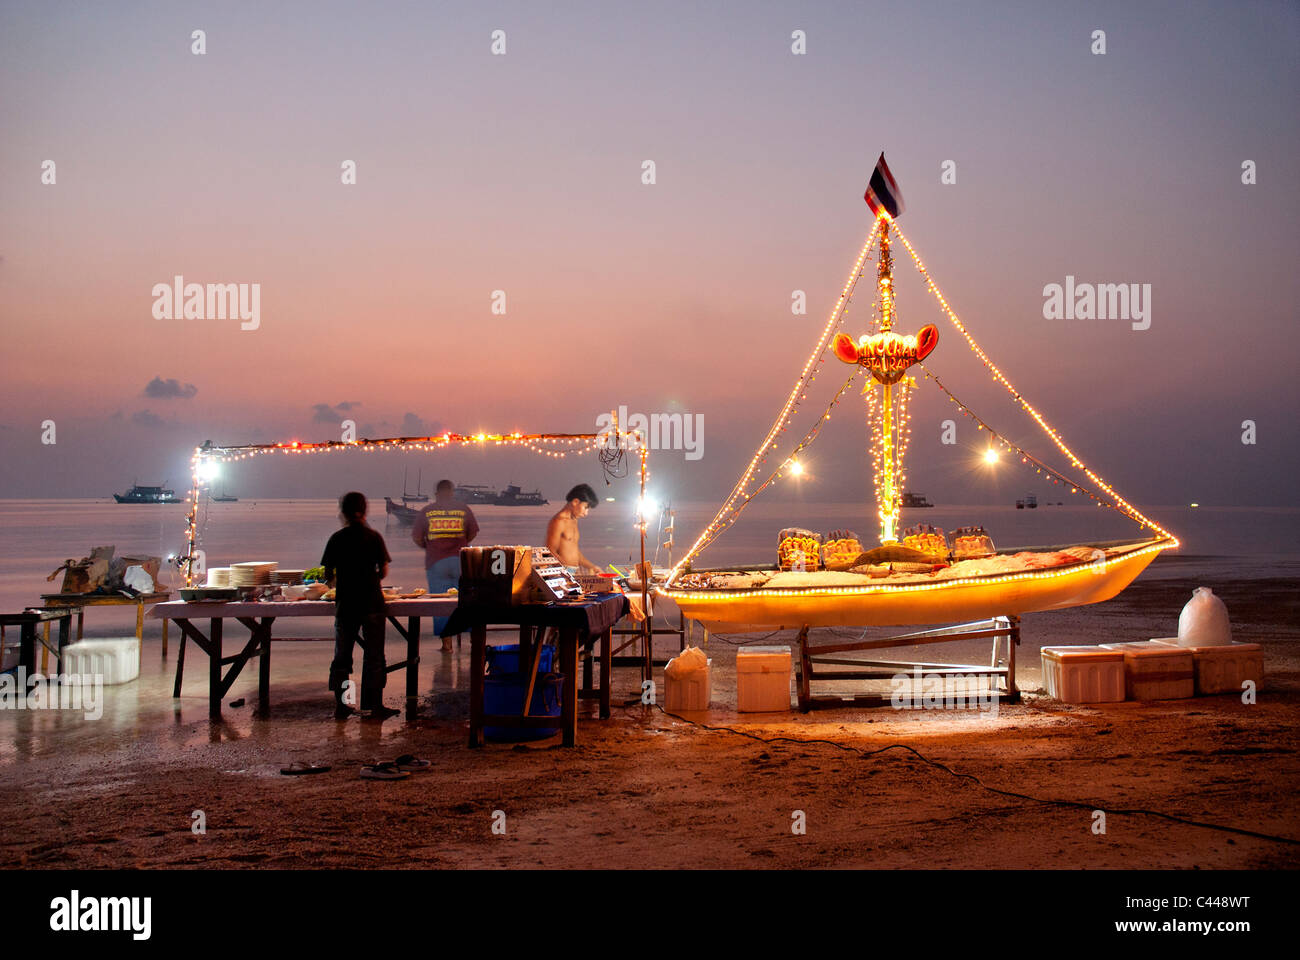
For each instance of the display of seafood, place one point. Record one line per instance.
(841, 550)
(928, 539)
(971, 543)
(799, 549)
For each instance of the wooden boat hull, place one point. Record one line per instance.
(878, 604)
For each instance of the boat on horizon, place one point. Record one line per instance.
(1029, 503)
(476, 494)
(915, 500)
(147, 493)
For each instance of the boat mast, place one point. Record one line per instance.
(886, 482)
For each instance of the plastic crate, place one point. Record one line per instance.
(1083, 674)
(763, 679)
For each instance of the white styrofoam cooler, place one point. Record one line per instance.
(116, 660)
(1156, 671)
(1223, 668)
(692, 692)
(1083, 674)
(763, 679)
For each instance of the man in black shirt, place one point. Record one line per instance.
(356, 561)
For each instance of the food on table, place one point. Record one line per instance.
(929, 540)
(799, 549)
(841, 549)
(971, 543)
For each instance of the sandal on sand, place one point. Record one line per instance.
(411, 763)
(298, 769)
(383, 771)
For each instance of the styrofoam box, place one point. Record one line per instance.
(1155, 671)
(1083, 674)
(689, 693)
(116, 660)
(1223, 668)
(763, 679)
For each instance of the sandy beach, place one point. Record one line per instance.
(647, 790)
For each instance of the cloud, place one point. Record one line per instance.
(170, 389)
(144, 418)
(413, 426)
(332, 413)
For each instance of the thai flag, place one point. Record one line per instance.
(883, 195)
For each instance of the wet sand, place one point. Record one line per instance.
(646, 790)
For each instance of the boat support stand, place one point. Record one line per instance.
(1001, 671)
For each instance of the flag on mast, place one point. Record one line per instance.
(883, 195)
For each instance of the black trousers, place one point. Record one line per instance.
(351, 628)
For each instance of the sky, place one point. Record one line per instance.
(522, 172)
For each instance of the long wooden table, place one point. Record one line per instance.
(260, 616)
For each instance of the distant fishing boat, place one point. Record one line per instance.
(224, 497)
(511, 496)
(146, 494)
(417, 497)
(400, 511)
(914, 500)
(1029, 503)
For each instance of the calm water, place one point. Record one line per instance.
(37, 535)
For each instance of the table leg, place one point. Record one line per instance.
(412, 665)
(264, 671)
(45, 650)
(477, 654)
(65, 629)
(569, 699)
(164, 645)
(214, 670)
(606, 671)
(27, 650)
(180, 667)
(139, 630)
(81, 621)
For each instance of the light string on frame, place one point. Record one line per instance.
(740, 489)
(1056, 476)
(1028, 408)
(780, 471)
(207, 456)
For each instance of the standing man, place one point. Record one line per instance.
(562, 532)
(356, 561)
(445, 526)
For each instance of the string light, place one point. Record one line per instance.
(206, 457)
(720, 520)
(1038, 418)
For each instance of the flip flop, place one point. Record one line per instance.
(411, 763)
(298, 769)
(383, 771)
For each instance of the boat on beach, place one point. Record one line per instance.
(918, 576)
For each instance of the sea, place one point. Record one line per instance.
(37, 536)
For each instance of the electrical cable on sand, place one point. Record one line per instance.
(1077, 804)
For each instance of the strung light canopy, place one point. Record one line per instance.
(206, 458)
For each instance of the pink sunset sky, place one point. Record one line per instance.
(522, 173)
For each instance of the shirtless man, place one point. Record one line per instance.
(562, 531)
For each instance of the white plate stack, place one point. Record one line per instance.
(256, 573)
(286, 578)
(218, 577)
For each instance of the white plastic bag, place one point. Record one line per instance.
(690, 661)
(138, 579)
(1204, 621)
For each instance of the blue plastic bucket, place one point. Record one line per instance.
(504, 694)
(504, 659)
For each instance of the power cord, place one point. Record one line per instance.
(1077, 804)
